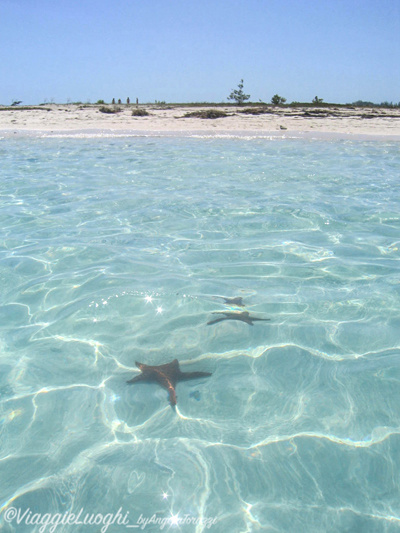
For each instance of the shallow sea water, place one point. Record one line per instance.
(121, 250)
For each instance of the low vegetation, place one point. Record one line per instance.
(256, 110)
(206, 113)
(25, 108)
(140, 113)
(238, 98)
(109, 110)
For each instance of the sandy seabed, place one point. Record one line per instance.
(88, 120)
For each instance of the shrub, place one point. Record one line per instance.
(277, 100)
(256, 110)
(140, 113)
(109, 110)
(99, 102)
(207, 113)
(363, 103)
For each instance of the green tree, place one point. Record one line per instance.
(277, 100)
(238, 94)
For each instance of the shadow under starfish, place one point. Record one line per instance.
(244, 316)
(166, 375)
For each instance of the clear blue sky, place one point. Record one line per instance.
(198, 50)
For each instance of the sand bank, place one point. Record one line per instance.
(171, 120)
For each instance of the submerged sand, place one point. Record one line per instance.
(170, 119)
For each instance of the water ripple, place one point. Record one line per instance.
(116, 250)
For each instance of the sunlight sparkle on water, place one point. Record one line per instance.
(174, 520)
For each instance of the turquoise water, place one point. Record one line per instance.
(121, 250)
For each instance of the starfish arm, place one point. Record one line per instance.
(194, 375)
(216, 320)
(140, 377)
(172, 396)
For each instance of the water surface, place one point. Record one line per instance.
(121, 250)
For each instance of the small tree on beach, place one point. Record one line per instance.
(238, 94)
(277, 100)
(317, 100)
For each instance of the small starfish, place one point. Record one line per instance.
(234, 301)
(166, 375)
(244, 316)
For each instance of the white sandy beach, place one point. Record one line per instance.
(169, 119)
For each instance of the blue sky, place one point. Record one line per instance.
(198, 50)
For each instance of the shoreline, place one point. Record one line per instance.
(331, 123)
(197, 134)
